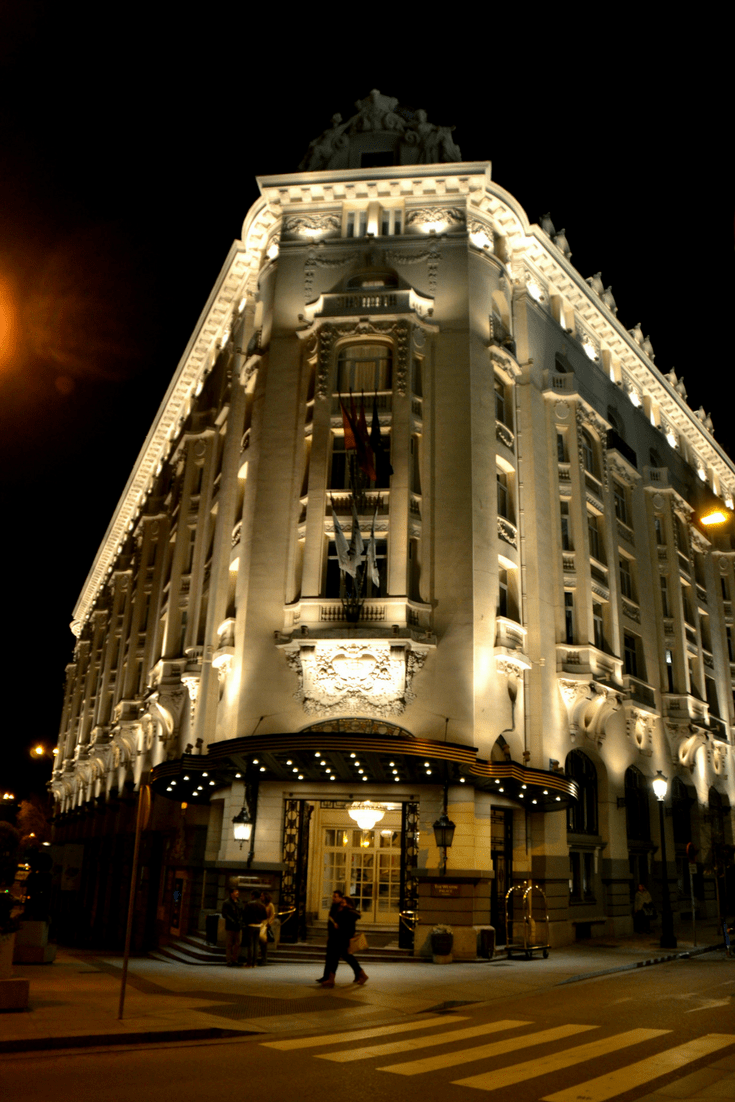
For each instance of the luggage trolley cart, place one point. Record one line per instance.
(529, 933)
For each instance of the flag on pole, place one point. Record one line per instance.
(365, 457)
(372, 558)
(349, 428)
(343, 552)
(357, 547)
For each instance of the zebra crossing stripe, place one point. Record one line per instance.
(555, 1061)
(481, 1052)
(361, 1034)
(635, 1075)
(411, 1043)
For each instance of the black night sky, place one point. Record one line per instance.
(128, 156)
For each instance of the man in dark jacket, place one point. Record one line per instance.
(255, 913)
(232, 912)
(342, 930)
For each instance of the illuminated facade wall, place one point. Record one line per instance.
(544, 595)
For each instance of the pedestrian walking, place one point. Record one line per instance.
(342, 925)
(255, 914)
(271, 926)
(232, 912)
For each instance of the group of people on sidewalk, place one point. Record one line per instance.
(255, 924)
(252, 923)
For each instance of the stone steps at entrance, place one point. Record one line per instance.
(194, 949)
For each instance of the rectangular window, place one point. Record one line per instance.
(730, 658)
(391, 221)
(670, 670)
(364, 368)
(341, 585)
(626, 579)
(658, 526)
(593, 532)
(504, 499)
(598, 626)
(502, 592)
(566, 536)
(569, 616)
(665, 607)
(621, 502)
(630, 654)
(561, 456)
(500, 406)
(725, 586)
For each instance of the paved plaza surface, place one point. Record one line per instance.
(75, 1000)
(594, 1021)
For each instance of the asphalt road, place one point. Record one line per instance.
(627, 1036)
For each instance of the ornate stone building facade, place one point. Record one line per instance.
(544, 623)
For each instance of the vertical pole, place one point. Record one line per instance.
(668, 941)
(143, 805)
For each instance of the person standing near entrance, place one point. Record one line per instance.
(255, 913)
(232, 912)
(343, 922)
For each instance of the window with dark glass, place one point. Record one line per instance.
(598, 626)
(582, 813)
(340, 585)
(621, 502)
(593, 531)
(630, 654)
(568, 616)
(566, 536)
(626, 578)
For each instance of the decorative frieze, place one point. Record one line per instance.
(355, 678)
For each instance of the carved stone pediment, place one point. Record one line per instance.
(589, 706)
(355, 676)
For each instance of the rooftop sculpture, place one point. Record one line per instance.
(381, 133)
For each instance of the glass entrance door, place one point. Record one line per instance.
(366, 865)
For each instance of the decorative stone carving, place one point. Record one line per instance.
(311, 225)
(445, 216)
(589, 705)
(719, 758)
(165, 708)
(191, 681)
(355, 678)
(684, 741)
(639, 725)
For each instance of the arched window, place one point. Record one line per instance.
(582, 815)
(637, 821)
(364, 368)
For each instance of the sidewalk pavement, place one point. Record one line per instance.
(74, 1001)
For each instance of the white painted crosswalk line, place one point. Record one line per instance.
(635, 1075)
(555, 1061)
(411, 1043)
(361, 1034)
(482, 1052)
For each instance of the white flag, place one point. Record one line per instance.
(357, 547)
(340, 541)
(372, 559)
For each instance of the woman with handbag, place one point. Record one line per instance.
(342, 940)
(267, 931)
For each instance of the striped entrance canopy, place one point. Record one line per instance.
(377, 753)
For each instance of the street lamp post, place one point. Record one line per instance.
(668, 940)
